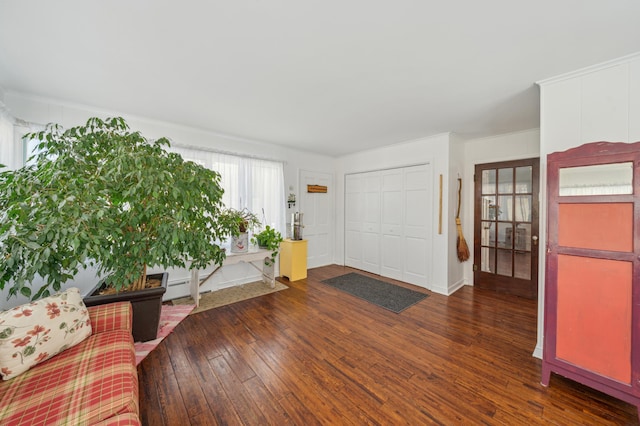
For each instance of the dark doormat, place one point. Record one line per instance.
(383, 294)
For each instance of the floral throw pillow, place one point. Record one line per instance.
(36, 331)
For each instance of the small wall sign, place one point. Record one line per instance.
(316, 188)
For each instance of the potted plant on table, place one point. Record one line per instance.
(240, 222)
(269, 239)
(103, 196)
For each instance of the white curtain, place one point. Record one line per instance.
(7, 141)
(251, 183)
(612, 189)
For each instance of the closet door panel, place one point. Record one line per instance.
(417, 224)
(371, 223)
(391, 256)
(371, 252)
(391, 260)
(353, 249)
(415, 266)
(354, 217)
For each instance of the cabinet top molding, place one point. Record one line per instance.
(595, 149)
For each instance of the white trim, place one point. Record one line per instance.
(221, 151)
(590, 69)
(422, 163)
(134, 117)
(396, 144)
(537, 352)
(456, 286)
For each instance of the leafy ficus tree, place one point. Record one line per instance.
(102, 195)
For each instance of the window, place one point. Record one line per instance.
(251, 183)
(7, 151)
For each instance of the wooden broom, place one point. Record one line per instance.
(461, 244)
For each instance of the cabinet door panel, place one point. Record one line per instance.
(601, 226)
(594, 315)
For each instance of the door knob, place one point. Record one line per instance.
(535, 240)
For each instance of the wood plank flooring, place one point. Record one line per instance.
(312, 355)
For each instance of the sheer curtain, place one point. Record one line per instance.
(7, 141)
(251, 183)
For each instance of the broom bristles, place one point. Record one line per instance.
(461, 243)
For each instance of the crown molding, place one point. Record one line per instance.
(590, 69)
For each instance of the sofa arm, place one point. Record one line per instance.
(112, 316)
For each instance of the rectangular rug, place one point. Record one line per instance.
(381, 293)
(229, 295)
(170, 317)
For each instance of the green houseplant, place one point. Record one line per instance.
(104, 196)
(269, 239)
(240, 222)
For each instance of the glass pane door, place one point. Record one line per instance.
(506, 220)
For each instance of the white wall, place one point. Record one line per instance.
(42, 111)
(456, 170)
(506, 147)
(599, 103)
(434, 150)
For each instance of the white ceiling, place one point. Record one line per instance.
(329, 76)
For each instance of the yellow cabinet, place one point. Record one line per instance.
(293, 259)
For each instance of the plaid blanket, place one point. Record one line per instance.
(94, 382)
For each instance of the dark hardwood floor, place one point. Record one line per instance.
(312, 355)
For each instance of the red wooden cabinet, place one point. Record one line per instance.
(592, 287)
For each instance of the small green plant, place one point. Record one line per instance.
(239, 221)
(269, 239)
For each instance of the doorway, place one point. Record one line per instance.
(506, 227)
(318, 217)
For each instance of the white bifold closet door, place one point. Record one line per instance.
(388, 217)
(353, 220)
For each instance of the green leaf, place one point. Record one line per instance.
(32, 245)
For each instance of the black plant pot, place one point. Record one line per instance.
(146, 303)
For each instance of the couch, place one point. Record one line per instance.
(93, 382)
